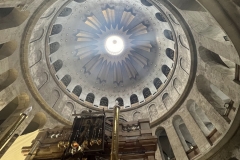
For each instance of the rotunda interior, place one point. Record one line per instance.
(174, 62)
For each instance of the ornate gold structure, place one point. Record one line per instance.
(123, 141)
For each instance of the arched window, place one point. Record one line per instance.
(164, 145)
(120, 101)
(221, 64)
(146, 3)
(12, 110)
(58, 65)
(168, 34)
(10, 113)
(5, 11)
(7, 49)
(160, 17)
(90, 98)
(12, 17)
(8, 110)
(220, 101)
(77, 91)
(165, 70)
(65, 12)
(214, 60)
(203, 122)
(185, 137)
(134, 99)
(157, 83)
(167, 101)
(146, 92)
(38, 122)
(66, 80)
(57, 28)
(104, 102)
(170, 53)
(54, 47)
(7, 78)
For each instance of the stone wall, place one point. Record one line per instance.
(231, 150)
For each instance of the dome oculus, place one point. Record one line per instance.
(114, 45)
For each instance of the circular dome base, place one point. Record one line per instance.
(112, 54)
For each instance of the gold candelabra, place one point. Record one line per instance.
(115, 133)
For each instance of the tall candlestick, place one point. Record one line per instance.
(115, 133)
(14, 127)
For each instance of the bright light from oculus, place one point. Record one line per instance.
(114, 45)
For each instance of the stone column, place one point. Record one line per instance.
(82, 96)
(152, 88)
(97, 100)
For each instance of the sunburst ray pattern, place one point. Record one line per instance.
(113, 50)
(92, 44)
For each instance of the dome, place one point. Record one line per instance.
(110, 51)
(174, 62)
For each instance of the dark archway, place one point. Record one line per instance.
(160, 17)
(65, 12)
(104, 102)
(146, 92)
(168, 34)
(58, 65)
(157, 83)
(66, 80)
(166, 70)
(170, 53)
(120, 101)
(134, 99)
(77, 91)
(90, 98)
(38, 122)
(164, 145)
